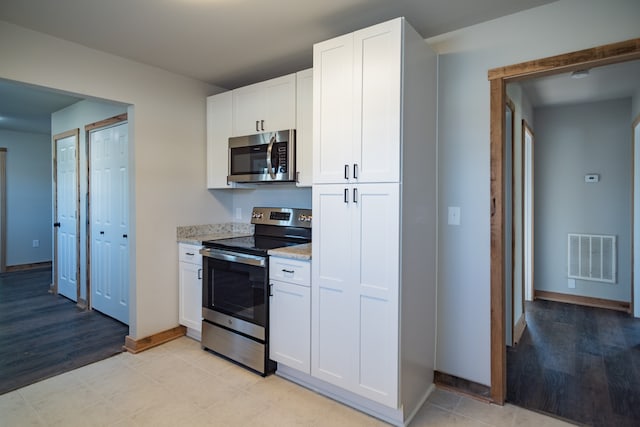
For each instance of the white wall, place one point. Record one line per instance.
(28, 196)
(572, 141)
(466, 55)
(268, 195)
(167, 154)
(77, 116)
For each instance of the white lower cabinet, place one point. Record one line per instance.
(190, 288)
(290, 313)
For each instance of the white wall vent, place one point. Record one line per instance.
(592, 257)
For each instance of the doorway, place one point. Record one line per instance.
(499, 77)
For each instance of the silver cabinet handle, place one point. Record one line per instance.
(189, 253)
(346, 195)
(257, 130)
(262, 124)
(346, 171)
(199, 274)
(288, 271)
(355, 195)
(355, 171)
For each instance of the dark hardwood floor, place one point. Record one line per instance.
(42, 335)
(578, 363)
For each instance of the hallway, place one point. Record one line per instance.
(42, 335)
(579, 363)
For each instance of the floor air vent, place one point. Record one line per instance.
(592, 257)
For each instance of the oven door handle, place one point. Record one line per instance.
(233, 257)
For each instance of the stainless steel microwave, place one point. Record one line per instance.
(265, 157)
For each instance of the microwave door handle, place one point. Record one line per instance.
(269, 149)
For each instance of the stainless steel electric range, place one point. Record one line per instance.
(235, 294)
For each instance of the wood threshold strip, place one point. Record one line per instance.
(136, 346)
(460, 385)
(31, 266)
(582, 300)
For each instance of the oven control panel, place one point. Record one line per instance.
(294, 217)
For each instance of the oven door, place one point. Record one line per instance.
(235, 288)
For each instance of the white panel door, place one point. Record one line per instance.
(190, 288)
(290, 325)
(248, 107)
(377, 255)
(334, 320)
(67, 217)
(377, 102)
(280, 108)
(109, 206)
(333, 110)
(218, 133)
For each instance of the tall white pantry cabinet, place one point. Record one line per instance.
(374, 220)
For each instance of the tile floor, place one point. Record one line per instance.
(178, 384)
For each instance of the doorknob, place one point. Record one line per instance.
(102, 232)
(124, 236)
(56, 224)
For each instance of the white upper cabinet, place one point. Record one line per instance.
(264, 107)
(357, 108)
(304, 127)
(218, 133)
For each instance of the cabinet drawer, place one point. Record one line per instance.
(290, 270)
(189, 253)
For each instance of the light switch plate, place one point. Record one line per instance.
(454, 215)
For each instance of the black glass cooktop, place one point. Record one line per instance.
(254, 245)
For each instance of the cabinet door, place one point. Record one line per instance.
(265, 106)
(290, 325)
(377, 102)
(376, 277)
(190, 295)
(280, 104)
(248, 109)
(334, 321)
(218, 133)
(332, 109)
(304, 128)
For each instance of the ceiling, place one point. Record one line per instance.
(25, 108)
(231, 43)
(602, 83)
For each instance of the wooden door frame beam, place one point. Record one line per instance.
(499, 77)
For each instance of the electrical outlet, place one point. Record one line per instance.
(36, 243)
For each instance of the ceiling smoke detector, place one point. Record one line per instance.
(579, 74)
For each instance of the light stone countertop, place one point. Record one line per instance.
(196, 234)
(301, 252)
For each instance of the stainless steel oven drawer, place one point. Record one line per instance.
(234, 346)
